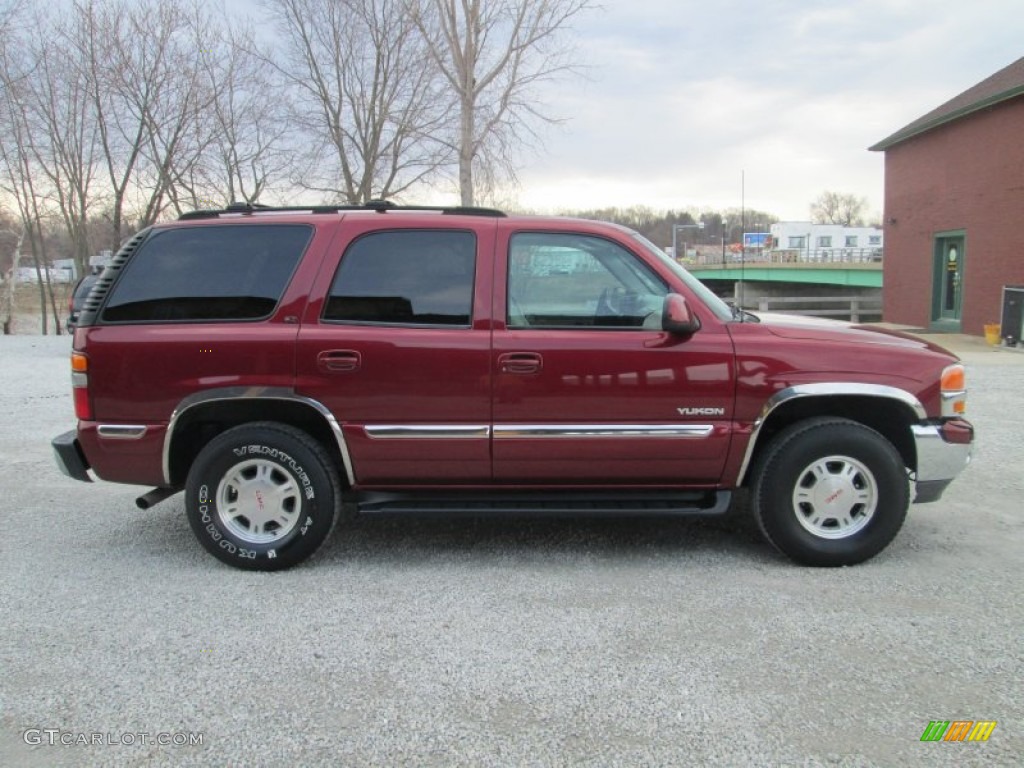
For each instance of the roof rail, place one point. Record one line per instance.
(379, 206)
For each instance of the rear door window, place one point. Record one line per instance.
(405, 277)
(236, 272)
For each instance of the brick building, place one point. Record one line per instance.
(954, 198)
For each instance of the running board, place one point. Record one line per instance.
(550, 504)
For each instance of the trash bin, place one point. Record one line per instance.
(1013, 314)
(992, 333)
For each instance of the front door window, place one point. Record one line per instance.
(574, 281)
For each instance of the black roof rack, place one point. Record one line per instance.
(380, 206)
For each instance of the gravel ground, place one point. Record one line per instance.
(540, 643)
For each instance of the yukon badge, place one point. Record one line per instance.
(701, 411)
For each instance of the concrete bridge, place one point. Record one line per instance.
(851, 274)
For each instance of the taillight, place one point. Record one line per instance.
(954, 391)
(80, 385)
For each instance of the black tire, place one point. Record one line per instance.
(262, 496)
(830, 492)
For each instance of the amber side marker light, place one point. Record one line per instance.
(80, 386)
(954, 390)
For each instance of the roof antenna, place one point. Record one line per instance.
(743, 242)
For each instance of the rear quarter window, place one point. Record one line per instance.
(208, 273)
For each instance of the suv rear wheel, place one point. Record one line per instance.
(830, 492)
(262, 496)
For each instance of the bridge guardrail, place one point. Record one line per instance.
(793, 256)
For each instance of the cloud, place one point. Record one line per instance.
(682, 97)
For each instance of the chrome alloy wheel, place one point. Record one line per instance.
(834, 497)
(258, 501)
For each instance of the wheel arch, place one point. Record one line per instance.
(204, 415)
(888, 410)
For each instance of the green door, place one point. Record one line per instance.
(949, 280)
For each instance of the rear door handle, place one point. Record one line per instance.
(339, 360)
(520, 362)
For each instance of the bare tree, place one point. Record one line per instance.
(8, 229)
(247, 129)
(20, 172)
(138, 62)
(837, 208)
(92, 40)
(17, 236)
(65, 135)
(366, 96)
(8, 14)
(494, 54)
(162, 61)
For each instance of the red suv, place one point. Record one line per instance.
(275, 363)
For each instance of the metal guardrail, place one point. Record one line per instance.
(824, 255)
(852, 307)
(793, 256)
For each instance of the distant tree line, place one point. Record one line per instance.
(728, 225)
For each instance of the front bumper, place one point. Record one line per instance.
(70, 459)
(943, 451)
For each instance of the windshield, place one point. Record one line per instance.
(722, 310)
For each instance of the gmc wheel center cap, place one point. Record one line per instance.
(832, 493)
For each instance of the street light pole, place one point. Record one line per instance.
(675, 227)
(724, 227)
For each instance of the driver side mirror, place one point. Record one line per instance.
(676, 316)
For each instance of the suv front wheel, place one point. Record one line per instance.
(830, 492)
(262, 496)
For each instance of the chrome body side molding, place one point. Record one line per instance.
(121, 431)
(556, 431)
(427, 431)
(513, 431)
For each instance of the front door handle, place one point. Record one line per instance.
(338, 360)
(520, 362)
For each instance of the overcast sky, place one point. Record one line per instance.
(682, 97)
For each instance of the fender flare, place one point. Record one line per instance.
(252, 394)
(824, 389)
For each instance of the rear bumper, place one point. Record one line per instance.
(70, 460)
(943, 451)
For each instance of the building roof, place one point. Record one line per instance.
(1006, 84)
